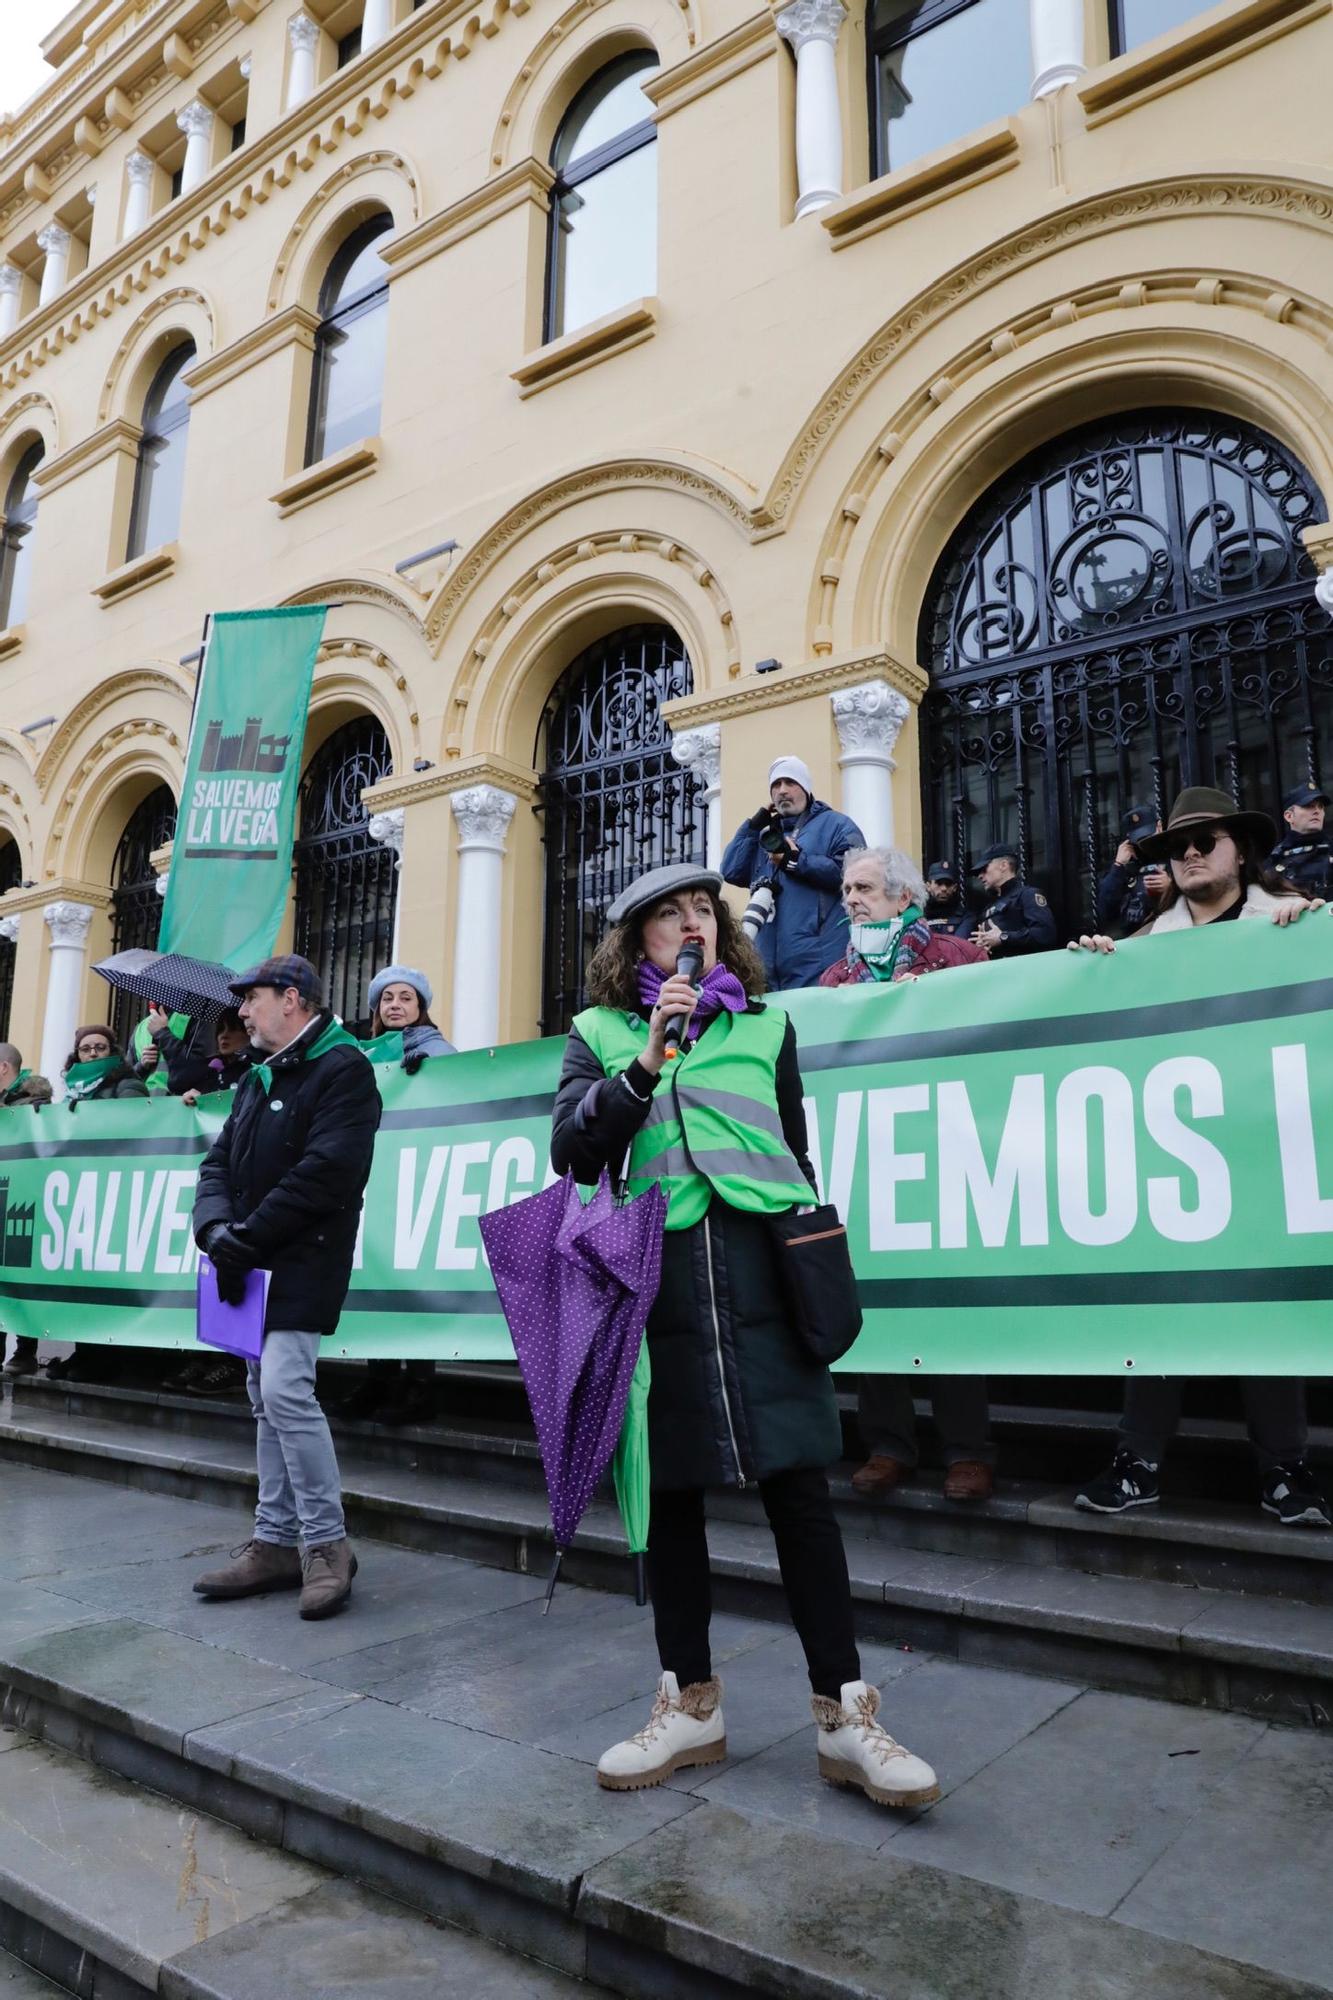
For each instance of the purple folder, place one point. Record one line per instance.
(235, 1329)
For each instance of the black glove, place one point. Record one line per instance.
(758, 821)
(412, 1063)
(227, 1250)
(230, 1284)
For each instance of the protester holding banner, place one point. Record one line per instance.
(1215, 855)
(402, 1031)
(735, 1395)
(281, 1191)
(20, 1086)
(888, 938)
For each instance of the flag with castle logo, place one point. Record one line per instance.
(232, 855)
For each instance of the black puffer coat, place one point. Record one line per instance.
(735, 1396)
(292, 1164)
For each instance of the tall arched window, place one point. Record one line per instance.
(613, 801)
(11, 875)
(603, 246)
(160, 478)
(16, 543)
(940, 68)
(1135, 21)
(349, 347)
(1129, 611)
(136, 907)
(346, 884)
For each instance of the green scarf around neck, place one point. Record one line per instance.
(82, 1079)
(386, 1049)
(11, 1095)
(876, 945)
(333, 1037)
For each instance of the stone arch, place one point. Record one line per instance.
(353, 676)
(28, 419)
(174, 316)
(571, 51)
(365, 648)
(370, 182)
(115, 774)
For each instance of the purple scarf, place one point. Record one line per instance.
(718, 989)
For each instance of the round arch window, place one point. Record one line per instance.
(159, 481)
(20, 522)
(348, 379)
(603, 244)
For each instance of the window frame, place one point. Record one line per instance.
(608, 154)
(358, 306)
(927, 14)
(10, 546)
(154, 433)
(1119, 32)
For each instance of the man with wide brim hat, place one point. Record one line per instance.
(1200, 806)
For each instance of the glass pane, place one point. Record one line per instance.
(974, 66)
(357, 267)
(1141, 20)
(15, 566)
(349, 379)
(606, 243)
(611, 104)
(157, 509)
(168, 399)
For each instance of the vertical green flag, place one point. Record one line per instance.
(232, 856)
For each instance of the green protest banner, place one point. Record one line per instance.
(1068, 1164)
(232, 855)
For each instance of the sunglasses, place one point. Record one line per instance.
(1203, 843)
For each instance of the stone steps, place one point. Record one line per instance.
(21, 1982)
(987, 1605)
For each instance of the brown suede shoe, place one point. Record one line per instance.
(879, 1475)
(257, 1567)
(329, 1570)
(969, 1479)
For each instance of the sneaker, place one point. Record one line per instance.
(1291, 1494)
(685, 1728)
(180, 1379)
(364, 1404)
(1127, 1482)
(219, 1378)
(857, 1751)
(21, 1362)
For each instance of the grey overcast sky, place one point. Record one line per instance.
(22, 25)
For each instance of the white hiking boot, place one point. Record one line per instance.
(685, 1728)
(854, 1750)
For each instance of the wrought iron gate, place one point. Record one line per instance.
(136, 907)
(1129, 611)
(613, 802)
(346, 883)
(11, 875)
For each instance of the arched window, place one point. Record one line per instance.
(16, 546)
(349, 347)
(136, 907)
(603, 246)
(11, 876)
(1135, 21)
(160, 479)
(346, 884)
(613, 800)
(940, 68)
(1129, 611)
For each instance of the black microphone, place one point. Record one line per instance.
(690, 961)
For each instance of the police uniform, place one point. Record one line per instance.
(1021, 913)
(1305, 860)
(1123, 901)
(957, 920)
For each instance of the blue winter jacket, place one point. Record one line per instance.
(809, 930)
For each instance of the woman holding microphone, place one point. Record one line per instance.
(736, 1400)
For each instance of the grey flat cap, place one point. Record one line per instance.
(659, 882)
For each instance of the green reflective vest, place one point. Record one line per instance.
(723, 1092)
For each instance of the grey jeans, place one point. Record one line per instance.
(886, 1417)
(300, 1490)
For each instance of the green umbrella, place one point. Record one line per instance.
(630, 1470)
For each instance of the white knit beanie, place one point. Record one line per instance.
(794, 768)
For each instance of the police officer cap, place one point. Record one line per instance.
(1303, 795)
(941, 871)
(1001, 851)
(659, 882)
(1138, 823)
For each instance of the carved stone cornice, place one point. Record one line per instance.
(759, 691)
(69, 923)
(484, 814)
(530, 181)
(699, 751)
(295, 326)
(150, 681)
(456, 776)
(1203, 45)
(1319, 541)
(868, 718)
(972, 160)
(754, 41)
(59, 888)
(120, 435)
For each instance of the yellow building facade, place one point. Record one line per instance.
(944, 397)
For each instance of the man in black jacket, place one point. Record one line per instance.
(281, 1191)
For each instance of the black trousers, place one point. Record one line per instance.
(1274, 1415)
(886, 1417)
(811, 1558)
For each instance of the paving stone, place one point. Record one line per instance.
(933, 1582)
(27, 1611)
(1098, 1607)
(1079, 1809)
(20, 1982)
(162, 1684)
(127, 1876)
(780, 1913)
(1263, 1631)
(345, 1941)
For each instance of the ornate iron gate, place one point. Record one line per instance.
(136, 907)
(613, 801)
(11, 875)
(346, 883)
(1129, 611)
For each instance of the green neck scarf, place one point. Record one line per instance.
(333, 1036)
(82, 1079)
(876, 945)
(11, 1095)
(386, 1048)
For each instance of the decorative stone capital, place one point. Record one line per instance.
(9, 929)
(303, 33)
(388, 829)
(811, 21)
(161, 885)
(139, 169)
(54, 241)
(483, 813)
(700, 752)
(68, 924)
(869, 718)
(245, 65)
(11, 280)
(1323, 591)
(196, 120)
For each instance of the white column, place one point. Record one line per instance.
(68, 924)
(11, 294)
(868, 719)
(1323, 590)
(303, 35)
(812, 28)
(375, 23)
(54, 245)
(483, 813)
(388, 828)
(1058, 53)
(196, 122)
(139, 170)
(700, 751)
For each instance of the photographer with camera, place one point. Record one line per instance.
(794, 846)
(1131, 889)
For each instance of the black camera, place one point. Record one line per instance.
(773, 837)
